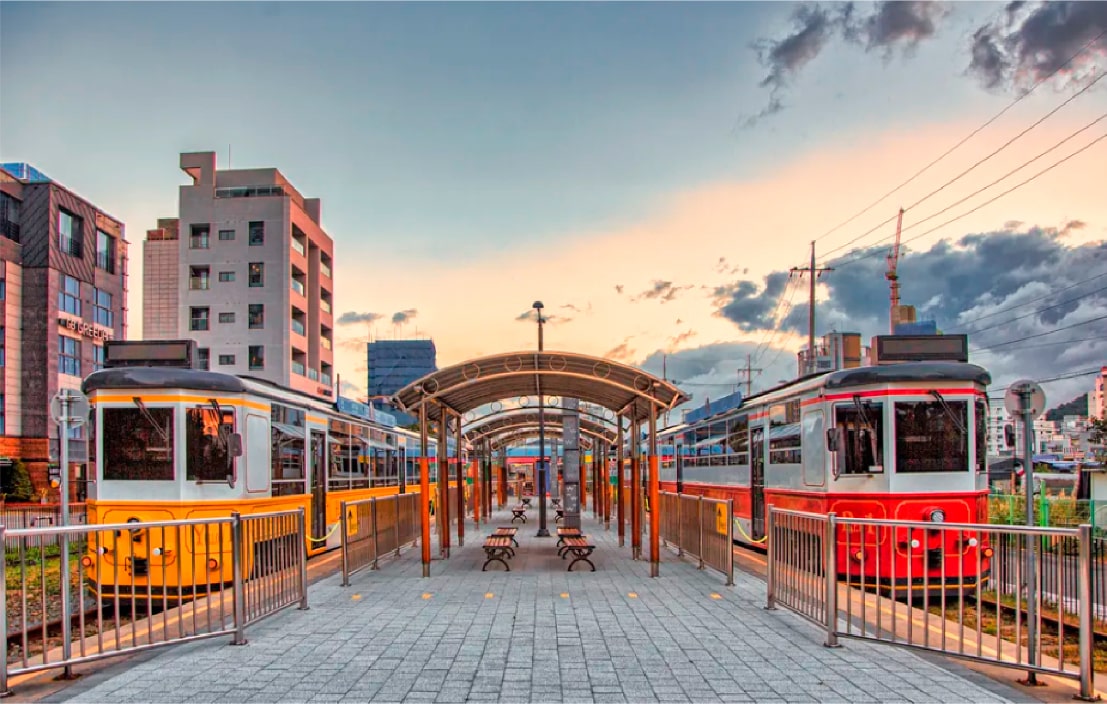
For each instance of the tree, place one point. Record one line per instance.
(1098, 428)
(17, 483)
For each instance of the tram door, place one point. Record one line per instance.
(757, 482)
(318, 484)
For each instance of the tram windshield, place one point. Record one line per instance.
(931, 436)
(138, 444)
(208, 450)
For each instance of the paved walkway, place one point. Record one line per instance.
(536, 633)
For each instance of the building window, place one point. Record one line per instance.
(257, 316)
(69, 297)
(226, 235)
(325, 265)
(199, 278)
(3, 288)
(199, 238)
(226, 277)
(1, 414)
(198, 320)
(69, 234)
(226, 360)
(105, 251)
(226, 317)
(203, 358)
(9, 217)
(1, 346)
(101, 308)
(97, 357)
(69, 356)
(257, 357)
(257, 274)
(257, 233)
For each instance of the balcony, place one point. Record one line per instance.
(325, 269)
(297, 367)
(298, 287)
(298, 246)
(313, 375)
(298, 327)
(324, 343)
(325, 379)
(324, 305)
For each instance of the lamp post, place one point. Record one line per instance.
(543, 469)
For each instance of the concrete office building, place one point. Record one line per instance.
(63, 293)
(254, 279)
(161, 287)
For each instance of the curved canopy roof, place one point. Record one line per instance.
(510, 422)
(517, 435)
(530, 375)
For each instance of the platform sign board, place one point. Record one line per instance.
(570, 424)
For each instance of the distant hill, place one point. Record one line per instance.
(1076, 407)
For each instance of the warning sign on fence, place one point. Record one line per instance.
(720, 518)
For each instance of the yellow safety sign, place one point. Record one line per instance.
(720, 518)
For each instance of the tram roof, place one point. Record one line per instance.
(162, 377)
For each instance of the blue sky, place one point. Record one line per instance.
(512, 151)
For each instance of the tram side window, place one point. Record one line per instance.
(208, 444)
(931, 436)
(288, 450)
(738, 441)
(138, 444)
(863, 435)
(981, 436)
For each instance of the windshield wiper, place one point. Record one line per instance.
(163, 432)
(949, 411)
(862, 412)
(221, 429)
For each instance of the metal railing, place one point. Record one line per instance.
(700, 527)
(375, 527)
(956, 589)
(128, 587)
(17, 516)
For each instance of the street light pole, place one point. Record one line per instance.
(543, 468)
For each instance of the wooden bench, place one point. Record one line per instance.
(563, 533)
(525, 500)
(498, 547)
(581, 549)
(519, 512)
(507, 532)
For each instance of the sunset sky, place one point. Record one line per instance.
(630, 165)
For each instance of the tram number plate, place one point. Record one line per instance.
(720, 518)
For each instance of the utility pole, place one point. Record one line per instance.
(814, 273)
(749, 370)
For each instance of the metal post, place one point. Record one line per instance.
(730, 542)
(1033, 543)
(460, 488)
(345, 547)
(376, 533)
(63, 450)
(303, 560)
(1087, 664)
(424, 488)
(635, 490)
(543, 471)
(653, 487)
(4, 691)
(239, 589)
(770, 566)
(442, 509)
(680, 524)
(620, 509)
(830, 564)
(699, 529)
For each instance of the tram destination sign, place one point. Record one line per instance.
(891, 349)
(136, 353)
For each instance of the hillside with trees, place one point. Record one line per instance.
(1076, 407)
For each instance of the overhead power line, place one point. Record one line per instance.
(962, 141)
(1034, 312)
(869, 255)
(1098, 338)
(1028, 303)
(1060, 377)
(1041, 334)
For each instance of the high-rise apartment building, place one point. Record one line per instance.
(63, 293)
(1097, 401)
(393, 364)
(161, 287)
(255, 283)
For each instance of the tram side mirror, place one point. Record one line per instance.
(234, 445)
(1009, 434)
(832, 439)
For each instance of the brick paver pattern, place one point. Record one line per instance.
(536, 633)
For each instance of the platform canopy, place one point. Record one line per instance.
(460, 388)
(493, 426)
(587, 440)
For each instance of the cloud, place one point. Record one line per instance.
(577, 309)
(746, 306)
(891, 25)
(621, 353)
(1032, 40)
(350, 389)
(353, 344)
(675, 341)
(404, 316)
(350, 318)
(661, 290)
(618, 288)
(712, 371)
(528, 315)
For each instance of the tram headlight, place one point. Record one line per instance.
(914, 544)
(937, 516)
(972, 542)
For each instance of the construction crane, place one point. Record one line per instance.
(893, 276)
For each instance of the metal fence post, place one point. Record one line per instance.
(376, 533)
(770, 572)
(4, 691)
(303, 559)
(830, 564)
(237, 566)
(699, 529)
(679, 526)
(345, 547)
(729, 542)
(1087, 664)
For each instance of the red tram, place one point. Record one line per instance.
(904, 442)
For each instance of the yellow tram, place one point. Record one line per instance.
(177, 443)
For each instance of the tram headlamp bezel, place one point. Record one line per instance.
(937, 515)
